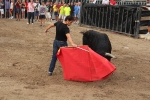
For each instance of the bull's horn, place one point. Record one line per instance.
(110, 55)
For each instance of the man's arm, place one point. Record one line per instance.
(70, 40)
(50, 26)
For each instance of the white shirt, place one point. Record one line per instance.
(105, 2)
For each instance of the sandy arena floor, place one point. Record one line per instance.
(25, 54)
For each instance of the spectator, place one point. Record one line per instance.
(62, 13)
(76, 12)
(72, 9)
(51, 9)
(55, 10)
(48, 14)
(1, 9)
(23, 9)
(7, 7)
(36, 12)
(93, 1)
(42, 13)
(67, 11)
(11, 9)
(26, 9)
(58, 7)
(105, 2)
(18, 9)
(148, 8)
(113, 2)
(31, 6)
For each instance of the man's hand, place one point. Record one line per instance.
(74, 45)
(46, 31)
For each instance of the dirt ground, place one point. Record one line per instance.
(25, 54)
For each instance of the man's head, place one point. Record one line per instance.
(69, 20)
(43, 3)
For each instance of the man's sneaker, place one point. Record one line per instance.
(27, 23)
(49, 73)
(32, 23)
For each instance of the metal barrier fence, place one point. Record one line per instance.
(119, 2)
(122, 18)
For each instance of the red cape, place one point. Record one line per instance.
(83, 64)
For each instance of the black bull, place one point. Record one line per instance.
(98, 42)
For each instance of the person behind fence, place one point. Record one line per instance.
(58, 7)
(42, 13)
(148, 8)
(7, 7)
(76, 12)
(62, 35)
(26, 8)
(31, 6)
(105, 2)
(93, 1)
(18, 9)
(113, 2)
(72, 9)
(23, 9)
(48, 14)
(36, 11)
(11, 9)
(67, 11)
(1, 9)
(62, 13)
(55, 10)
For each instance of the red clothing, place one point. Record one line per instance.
(112, 2)
(26, 5)
(18, 5)
(58, 5)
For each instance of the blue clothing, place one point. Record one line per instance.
(76, 10)
(56, 45)
(7, 4)
(2, 7)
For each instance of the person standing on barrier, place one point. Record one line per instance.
(62, 35)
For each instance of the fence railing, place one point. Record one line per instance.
(124, 19)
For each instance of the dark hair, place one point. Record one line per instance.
(69, 18)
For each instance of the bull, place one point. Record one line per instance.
(98, 42)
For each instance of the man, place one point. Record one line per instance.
(62, 35)
(1, 9)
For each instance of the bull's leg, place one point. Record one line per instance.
(110, 55)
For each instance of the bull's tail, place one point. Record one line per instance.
(110, 55)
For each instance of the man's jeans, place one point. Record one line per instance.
(56, 45)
